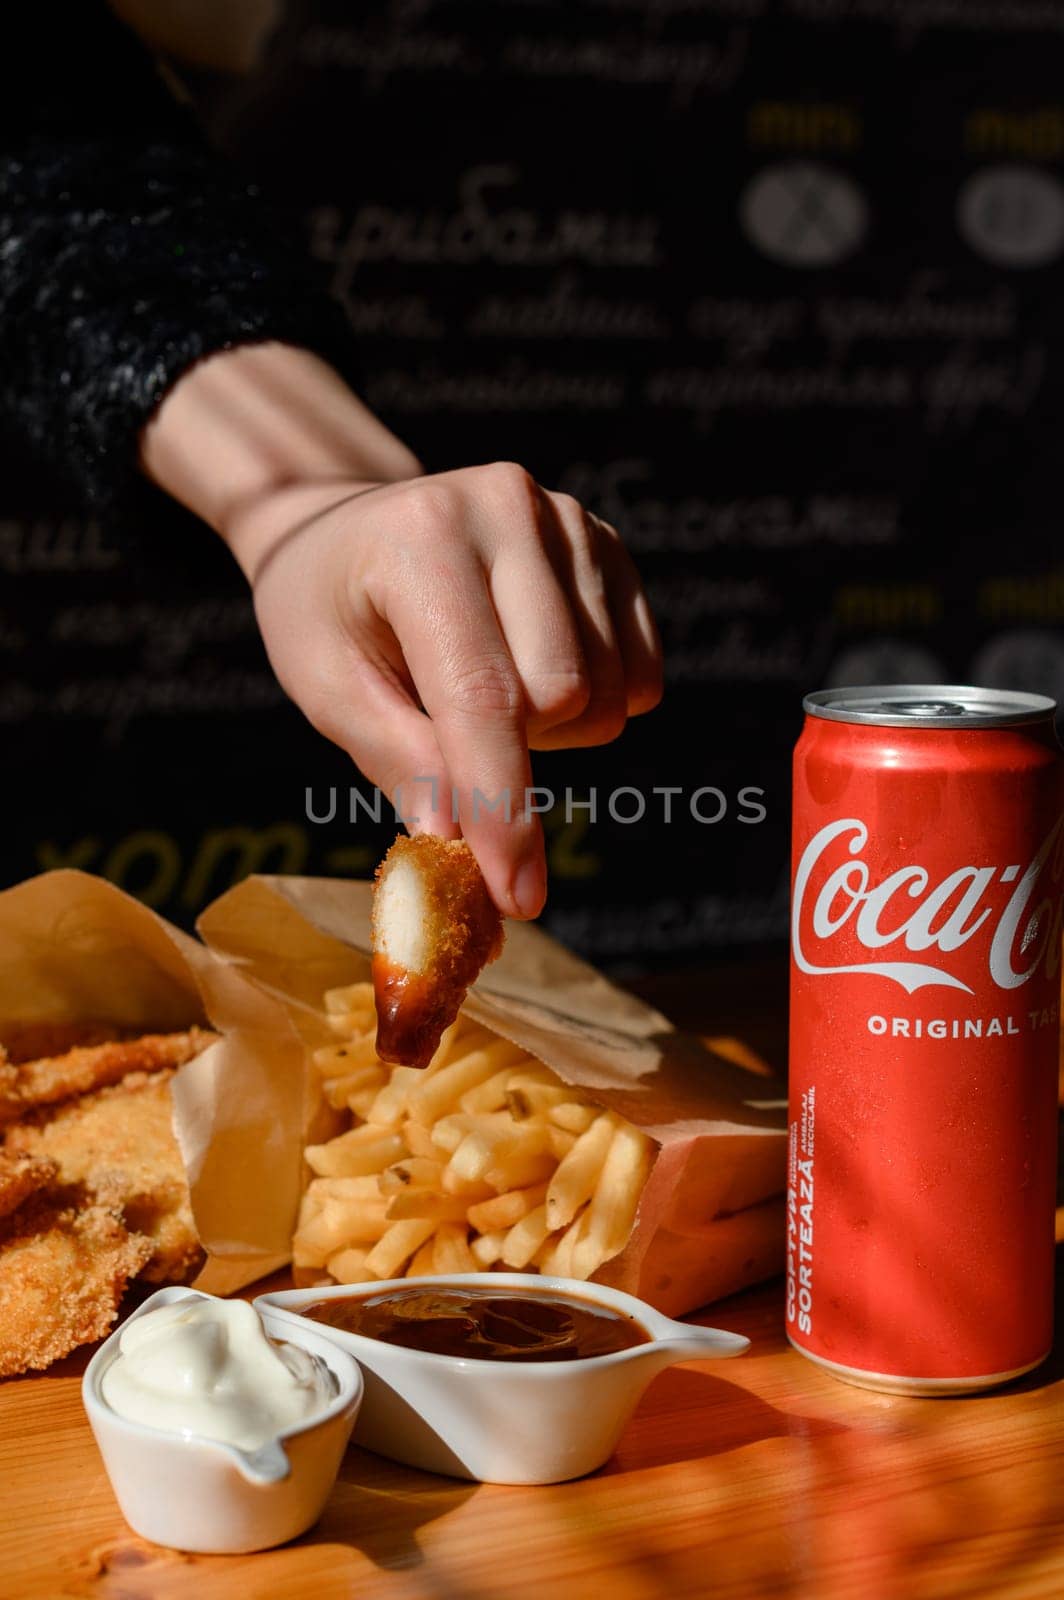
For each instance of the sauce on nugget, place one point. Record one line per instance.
(434, 928)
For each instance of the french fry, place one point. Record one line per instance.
(416, 1172)
(612, 1209)
(419, 1141)
(525, 1096)
(452, 1252)
(489, 1095)
(449, 1132)
(349, 1156)
(349, 1012)
(340, 1091)
(420, 1264)
(573, 1116)
(336, 1225)
(519, 1170)
(312, 1203)
(340, 1060)
(473, 1157)
(389, 1109)
(422, 1203)
(559, 1143)
(503, 1210)
(532, 1074)
(349, 1266)
(497, 1154)
(434, 1096)
(556, 1260)
(486, 1249)
(473, 1189)
(482, 1160)
(397, 1245)
(353, 1189)
(576, 1177)
(458, 1040)
(361, 1101)
(354, 998)
(525, 1238)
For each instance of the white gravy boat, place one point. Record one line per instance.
(504, 1421)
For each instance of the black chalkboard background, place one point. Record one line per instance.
(776, 288)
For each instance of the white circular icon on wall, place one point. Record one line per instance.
(884, 661)
(803, 214)
(1013, 216)
(1031, 659)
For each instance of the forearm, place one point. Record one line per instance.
(129, 253)
(263, 425)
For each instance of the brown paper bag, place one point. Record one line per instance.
(710, 1220)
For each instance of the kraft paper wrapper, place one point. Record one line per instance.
(710, 1219)
(74, 948)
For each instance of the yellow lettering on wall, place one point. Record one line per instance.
(803, 125)
(1035, 598)
(156, 851)
(566, 857)
(80, 854)
(887, 605)
(350, 861)
(1038, 134)
(282, 847)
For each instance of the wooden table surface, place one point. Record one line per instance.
(764, 1477)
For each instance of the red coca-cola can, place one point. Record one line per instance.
(928, 855)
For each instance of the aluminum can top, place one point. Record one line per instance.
(929, 705)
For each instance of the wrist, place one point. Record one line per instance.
(262, 432)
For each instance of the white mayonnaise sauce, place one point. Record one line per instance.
(207, 1367)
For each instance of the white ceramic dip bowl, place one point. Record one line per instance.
(503, 1421)
(200, 1494)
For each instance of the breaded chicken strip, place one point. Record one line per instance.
(63, 1269)
(119, 1143)
(29, 1084)
(434, 927)
(27, 1041)
(21, 1176)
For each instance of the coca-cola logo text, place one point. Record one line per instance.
(946, 915)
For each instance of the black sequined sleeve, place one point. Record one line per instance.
(128, 249)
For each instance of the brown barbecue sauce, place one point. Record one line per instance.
(484, 1324)
(412, 1012)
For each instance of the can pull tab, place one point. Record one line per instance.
(925, 708)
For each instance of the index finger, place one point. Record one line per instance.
(469, 685)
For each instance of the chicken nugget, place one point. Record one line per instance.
(49, 1079)
(434, 927)
(20, 1177)
(28, 1041)
(119, 1143)
(64, 1267)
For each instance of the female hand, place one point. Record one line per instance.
(437, 628)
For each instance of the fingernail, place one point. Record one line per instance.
(529, 888)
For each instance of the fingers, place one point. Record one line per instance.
(637, 634)
(445, 622)
(621, 650)
(537, 622)
(475, 615)
(363, 705)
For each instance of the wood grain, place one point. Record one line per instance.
(771, 1480)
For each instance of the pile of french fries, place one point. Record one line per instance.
(484, 1159)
